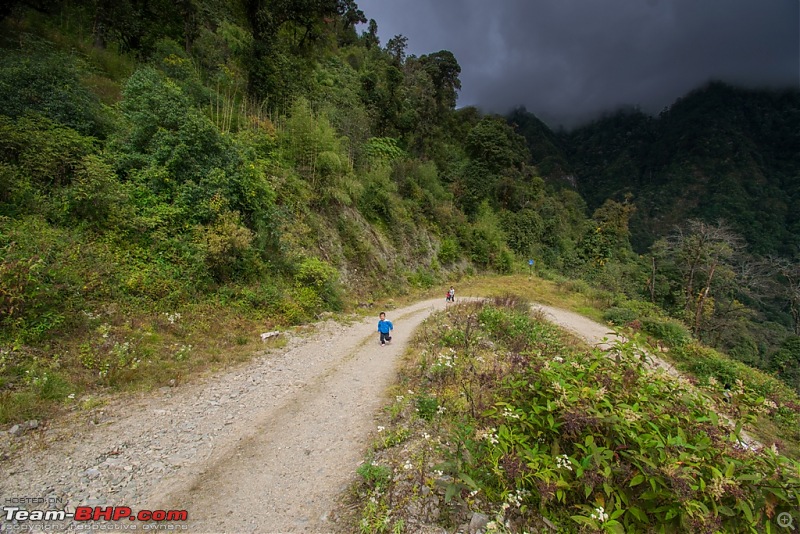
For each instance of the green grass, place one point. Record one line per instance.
(127, 350)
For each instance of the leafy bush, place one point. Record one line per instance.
(448, 251)
(376, 201)
(43, 150)
(704, 362)
(172, 59)
(375, 476)
(786, 362)
(427, 406)
(47, 275)
(669, 331)
(47, 83)
(422, 278)
(619, 316)
(227, 244)
(96, 195)
(315, 274)
(382, 149)
(487, 242)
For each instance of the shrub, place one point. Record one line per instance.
(375, 476)
(448, 251)
(48, 84)
(227, 244)
(619, 316)
(96, 195)
(422, 278)
(315, 274)
(47, 274)
(669, 331)
(427, 406)
(47, 152)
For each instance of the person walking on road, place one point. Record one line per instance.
(451, 295)
(385, 328)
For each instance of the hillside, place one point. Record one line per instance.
(231, 163)
(257, 164)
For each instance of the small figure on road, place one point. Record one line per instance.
(385, 327)
(451, 295)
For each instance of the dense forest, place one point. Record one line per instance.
(272, 157)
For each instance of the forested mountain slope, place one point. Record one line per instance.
(719, 152)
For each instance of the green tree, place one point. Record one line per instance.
(704, 254)
(370, 37)
(487, 241)
(396, 48)
(494, 144)
(316, 149)
(496, 153)
(785, 362)
(444, 71)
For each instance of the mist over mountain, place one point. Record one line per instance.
(720, 152)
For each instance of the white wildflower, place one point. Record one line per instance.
(562, 462)
(631, 416)
(600, 514)
(381, 428)
(517, 497)
(488, 435)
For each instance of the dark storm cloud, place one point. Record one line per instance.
(569, 60)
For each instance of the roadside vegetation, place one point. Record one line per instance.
(500, 418)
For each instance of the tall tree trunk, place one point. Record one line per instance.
(698, 314)
(653, 281)
(98, 25)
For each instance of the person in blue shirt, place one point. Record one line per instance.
(385, 327)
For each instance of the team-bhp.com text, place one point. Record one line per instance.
(97, 513)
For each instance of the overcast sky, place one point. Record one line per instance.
(570, 60)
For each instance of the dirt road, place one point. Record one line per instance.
(266, 447)
(284, 468)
